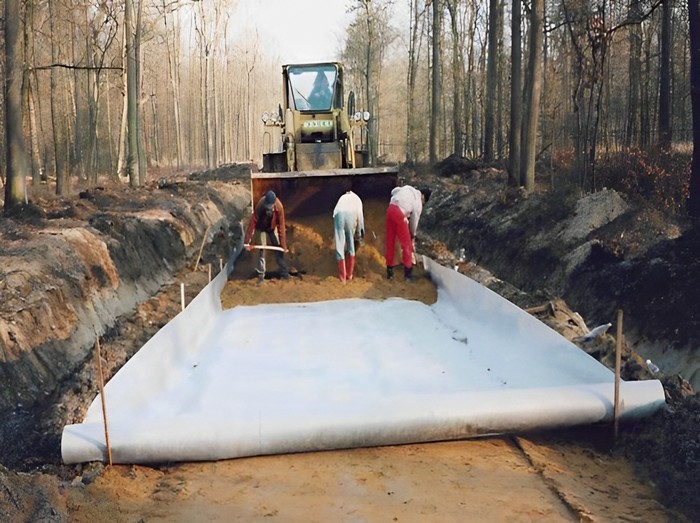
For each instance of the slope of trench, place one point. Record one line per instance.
(637, 259)
(84, 289)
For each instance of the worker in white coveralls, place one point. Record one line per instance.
(348, 220)
(268, 227)
(402, 217)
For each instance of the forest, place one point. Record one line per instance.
(602, 94)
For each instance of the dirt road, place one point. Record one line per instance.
(490, 479)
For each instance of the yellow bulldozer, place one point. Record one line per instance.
(316, 144)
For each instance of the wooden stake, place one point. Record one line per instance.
(618, 358)
(221, 264)
(182, 296)
(201, 248)
(102, 396)
(210, 271)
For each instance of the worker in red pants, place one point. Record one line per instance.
(402, 217)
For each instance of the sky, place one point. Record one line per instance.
(297, 30)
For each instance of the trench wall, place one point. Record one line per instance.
(69, 281)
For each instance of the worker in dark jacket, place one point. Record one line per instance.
(268, 227)
(402, 216)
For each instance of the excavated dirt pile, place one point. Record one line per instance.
(109, 262)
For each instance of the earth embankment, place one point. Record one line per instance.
(600, 252)
(70, 267)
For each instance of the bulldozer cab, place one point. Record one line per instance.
(315, 144)
(313, 88)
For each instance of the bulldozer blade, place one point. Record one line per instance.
(307, 193)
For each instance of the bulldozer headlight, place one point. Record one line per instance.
(365, 116)
(265, 117)
(358, 116)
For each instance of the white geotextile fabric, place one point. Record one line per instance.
(215, 384)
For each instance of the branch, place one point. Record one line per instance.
(68, 66)
(639, 20)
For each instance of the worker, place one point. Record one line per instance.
(268, 227)
(402, 217)
(348, 220)
(321, 94)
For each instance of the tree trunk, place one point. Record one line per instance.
(372, 138)
(15, 150)
(457, 80)
(413, 57)
(59, 160)
(436, 93)
(77, 143)
(131, 100)
(665, 78)
(635, 76)
(693, 202)
(495, 19)
(31, 100)
(138, 58)
(92, 101)
(500, 83)
(516, 106)
(645, 116)
(154, 130)
(529, 144)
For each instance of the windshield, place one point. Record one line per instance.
(311, 88)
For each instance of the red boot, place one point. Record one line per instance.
(350, 264)
(341, 270)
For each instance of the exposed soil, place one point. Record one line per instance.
(114, 259)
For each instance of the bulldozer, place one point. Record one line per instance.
(315, 144)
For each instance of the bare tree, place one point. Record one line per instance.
(417, 23)
(458, 78)
(16, 160)
(102, 30)
(516, 106)
(693, 203)
(532, 97)
(250, 61)
(665, 78)
(368, 38)
(436, 84)
(171, 39)
(495, 21)
(635, 76)
(138, 52)
(31, 99)
(135, 176)
(60, 158)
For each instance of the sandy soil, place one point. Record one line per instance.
(490, 479)
(312, 262)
